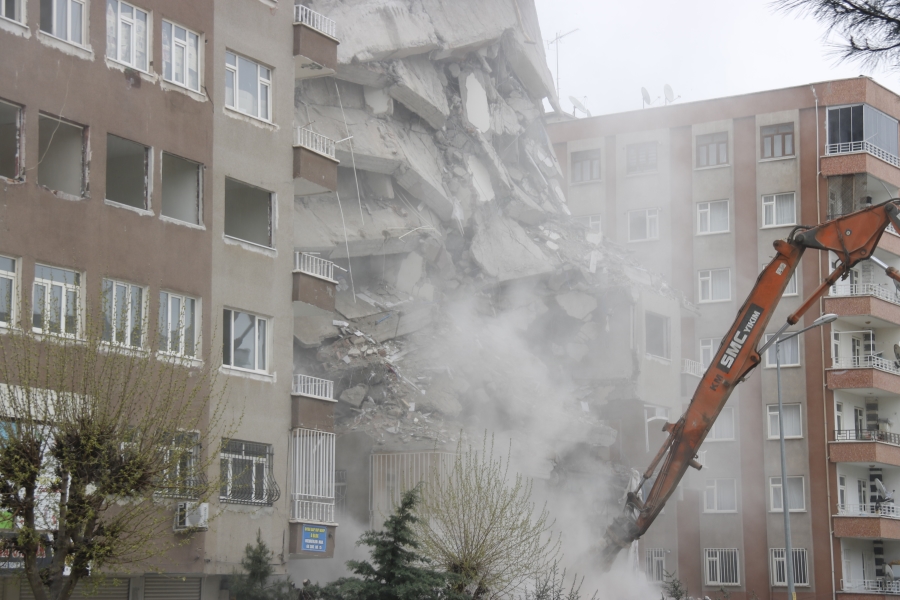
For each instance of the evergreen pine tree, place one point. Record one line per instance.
(254, 583)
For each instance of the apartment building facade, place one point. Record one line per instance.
(148, 147)
(699, 191)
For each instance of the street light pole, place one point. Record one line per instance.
(785, 507)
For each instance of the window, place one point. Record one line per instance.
(64, 19)
(127, 36)
(777, 140)
(707, 351)
(839, 417)
(11, 9)
(181, 56)
(712, 149)
(778, 210)
(61, 148)
(55, 305)
(246, 474)
(842, 490)
(852, 128)
(245, 341)
(715, 285)
(656, 564)
(859, 418)
(8, 296)
(790, 352)
(720, 496)
(123, 313)
(721, 566)
(640, 158)
(182, 477)
(792, 289)
(313, 485)
(178, 330)
(779, 567)
(181, 188)
(861, 495)
(10, 138)
(796, 497)
(247, 86)
(643, 225)
(592, 222)
(723, 427)
(793, 426)
(656, 335)
(127, 172)
(585, 166)
(248, 213)
(712, 217)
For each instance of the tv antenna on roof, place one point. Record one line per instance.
(645, 95)
(577, 104)
(670, 95)
(555, 40)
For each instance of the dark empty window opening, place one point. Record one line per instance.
(181, 189)
(61, 153)
(656, 330)
(126, 172)
(10, 140)
(248, 213)
(585, 166)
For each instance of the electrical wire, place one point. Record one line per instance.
(352, 156)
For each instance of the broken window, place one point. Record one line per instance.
(712, 217)
(123, 313)
(55, 303)
(126, 34)
(777, 140)
(656, 335)
(247, 86)
(793, 427)
(712, 149)
(723, 426)
(181, 188)
(8, 296)
(61, 155)
(643, 225)
(313, 485)
(640, 158)
(778, 210)
(11, 9)
(592, 222)
(779, 566)
(796, 496)
(178, 324)
(720, 496)
(127, 172)
(721, 566)
(64, 19)
(181, 56)
(248, 213)
(586, 166)
(244, 341)
(247, 473)
(10, 139)
(715, 285)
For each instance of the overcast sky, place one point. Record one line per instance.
(702, 48)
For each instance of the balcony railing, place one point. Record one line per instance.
(881, 586)
(854, 147)
(309, 139)
(863, 435)
(319, 22)
(866, 289)
(884, 509)
(315, 266)
(691, 367)
(868, 361)
(306, 385)
(306, 511)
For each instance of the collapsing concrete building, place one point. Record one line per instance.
(441, 286)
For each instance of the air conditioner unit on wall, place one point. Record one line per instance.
(191, 516)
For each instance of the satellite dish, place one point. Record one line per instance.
(577, 104)
(670, 95)
(646, 96)
(897, 351)
(882, 491)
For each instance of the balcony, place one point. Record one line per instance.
(315, 166)
(868, 521)
(315, 44)
(314, 281)
(869, 588)
(878, 300)
(863, 446)
(862, 146)
(313, 387)
(864, 362)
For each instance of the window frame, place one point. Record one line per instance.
(20, 122)
(718, 556)
(68, 37)
(775, 493)
(650, 215)
(715, 491)
(148, 35)
(188, 477)
(667, 335)
(713, 429)
(18, 6)
(770, 359)
(772, 412)
(774, 206)
(655, 564)
(228, 335)
(710, 345)
(265, 458)
(201, 168)
(707, 140)
(594, 157)
(13, 278)
(590, 221)
(708, 213)
(186, 47)
(113, 306)
(183, 327)
(771, 135)
(635, 149)
(66, 288)
(700, 280)
(775, 560)
(261, 83)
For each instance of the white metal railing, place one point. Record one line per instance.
(882, 586)
(852, 147)
(721, 566)
(890, 229)
(309, 139)
(319, 22)
(691, 367)
(306, 385)
(312, 476)
(883, 509)
(866, 289)
(778, 566)
(392, 474)
(313, 265)
(866, 361)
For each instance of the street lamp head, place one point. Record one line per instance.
(825, 319)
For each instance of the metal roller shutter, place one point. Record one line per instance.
(171, 588)
(108, 591)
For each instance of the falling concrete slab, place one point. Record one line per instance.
(419, 88)
(410, 272)
(389, 324)
(505, 251)
(525, 210)
(367, 74)
(378, 102)
(354, 396)
(577, 305)
(481, 179)
(442, 395)
(313, 325)
(474, 98)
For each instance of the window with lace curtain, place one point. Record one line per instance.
(779, 210)
(715, 285)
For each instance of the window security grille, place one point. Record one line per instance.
(247, 473)
(312, 468)
(183, 478)
(393, 474)
(656, 564)
(779, 567)
(721, 566)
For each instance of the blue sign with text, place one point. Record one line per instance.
(314, 538)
